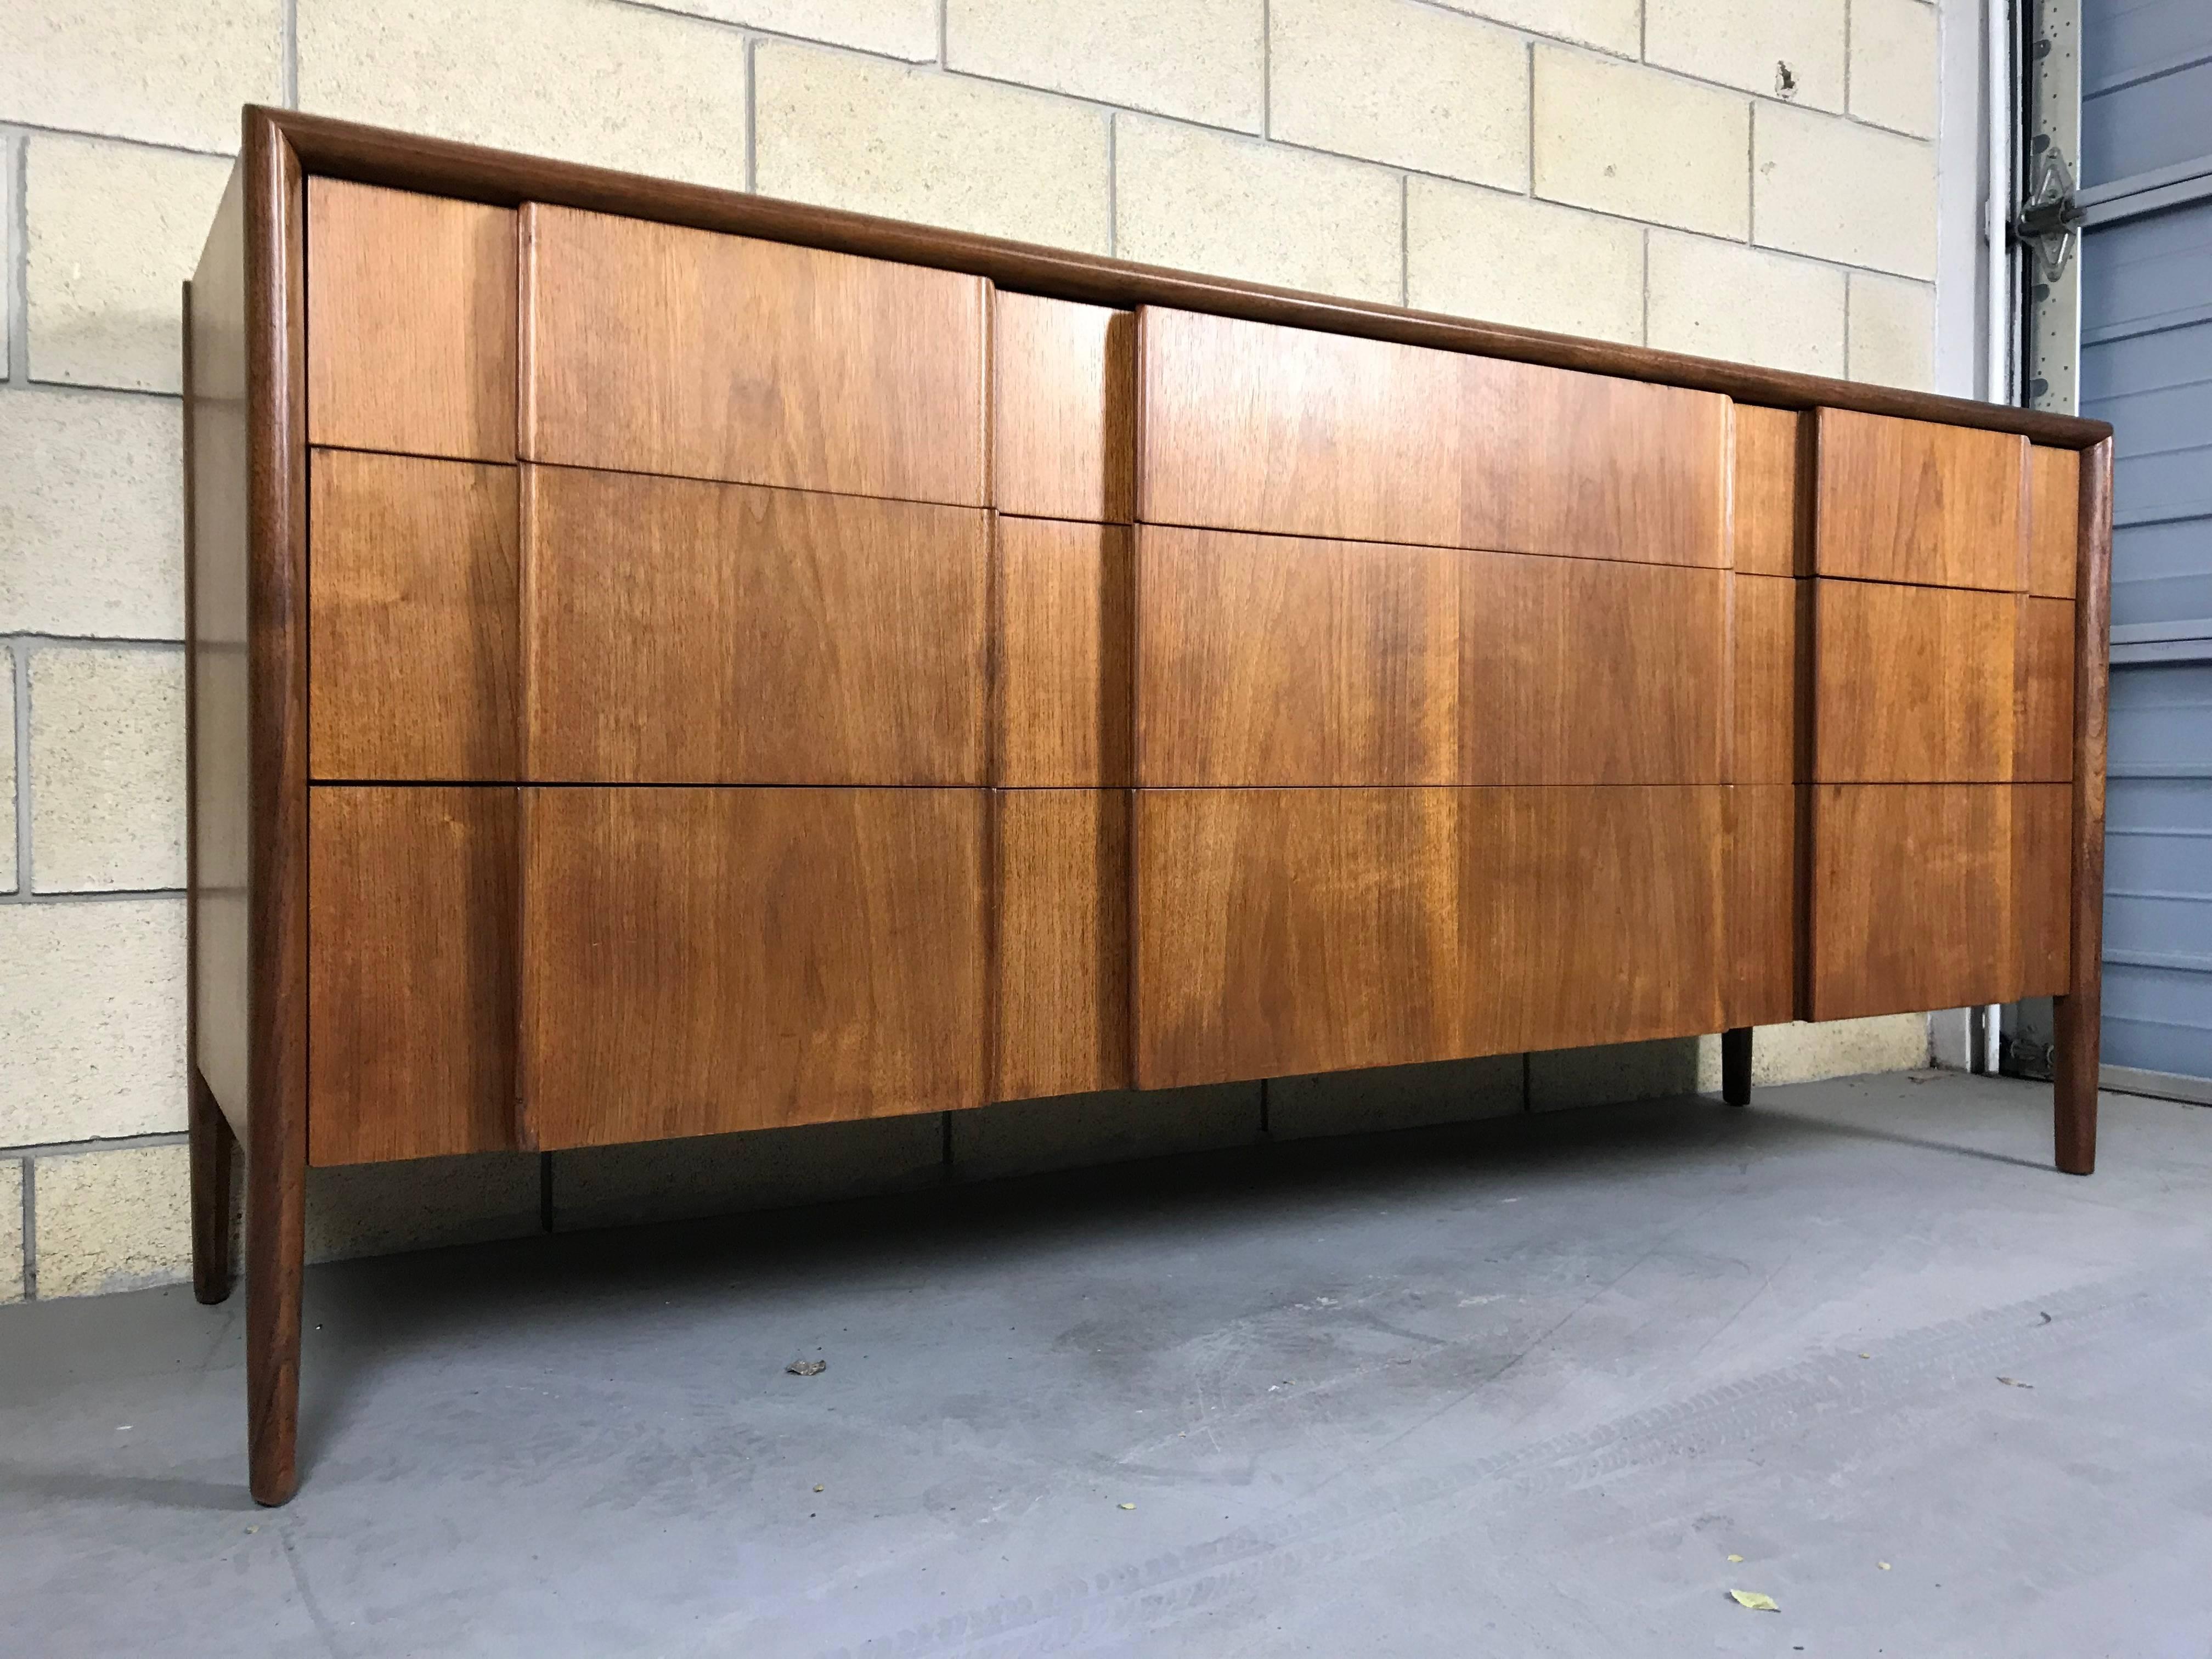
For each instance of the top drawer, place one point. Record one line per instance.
(1247, 426)
(1913, 502)
(411, 323)
(649, 348)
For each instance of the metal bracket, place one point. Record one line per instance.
(2048, 222)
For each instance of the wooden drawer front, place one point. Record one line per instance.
(1063, 409)
(701, 960)
(414, 635)
(1063, 918)
(1941, 685)
(1278, 660)
(649, 348)
(681, 632)
(2054, 520)
(1902, 501)
(1912, 684)
(1935, 896)
(1248, 426)
(411, 923)
(1773, 498)
(1062, 686)
(1284, 930)
(411, 323)
(1769, 635)
(1587, 671)
(1766, 920)
(1591, 915)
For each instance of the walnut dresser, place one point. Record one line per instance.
(665, 661)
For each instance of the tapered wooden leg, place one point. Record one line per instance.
(2074, 1082)
(276, 1254)
(211, 1149)
(1736, 1066)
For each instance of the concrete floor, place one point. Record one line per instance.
(1521, 1389)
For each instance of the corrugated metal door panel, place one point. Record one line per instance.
(2147, 368)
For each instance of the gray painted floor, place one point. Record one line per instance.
(1521, 1389)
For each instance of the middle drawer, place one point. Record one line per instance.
(560, 625)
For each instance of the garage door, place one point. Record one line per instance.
(2146, 365)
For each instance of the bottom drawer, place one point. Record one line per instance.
(698, 960)
(1937, 895)
(1288, 930)
(410, 979)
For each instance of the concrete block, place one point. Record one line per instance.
(853, 133)
(897, 28)
(1892, 332)
(378, 1209)
(1894, 62)
(1420, 89)
(1561, 1078)
(1202, 60)
(7, 808)
(107, 769)
(1792, 50)
(1508, 260)
(1843, 1047)
(91, 514)
(11, 1230)
(114, 230)
(619, 86)
(1726, 300)
(1207, 202)
(1629, 140)
(151, 70)
(118, 1219)
(92, 1000)
(1614, 25)
(1025, 1136)
(1394, 1097)
(1838, 190)
(763, 1170)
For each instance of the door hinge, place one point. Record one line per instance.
(2048, 222)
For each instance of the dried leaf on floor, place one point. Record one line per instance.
(2015, 1382)
(1753, 1599)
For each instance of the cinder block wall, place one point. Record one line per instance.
(1746, 179)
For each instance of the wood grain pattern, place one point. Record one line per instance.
(1246, 427)
(2075, 1063)
(411, 322)
(755, 363)
(415, 634)
(753, 636)
(695, 961)
(1284, 931)
(2054, 495)
(1063, 409)
(1912, 684)
(1913, 502)
(1591, 466)
(1063, 688)
(2042, 692)
(1272, 660)
(1586, 671)
(2042, 859)
(410, 1020)
(347, 149)
(1765, 912)
(1242, 426)
(1773, 530)
(1912, 904)
(1770, 638)
(1062, 962)
(1591, 915)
